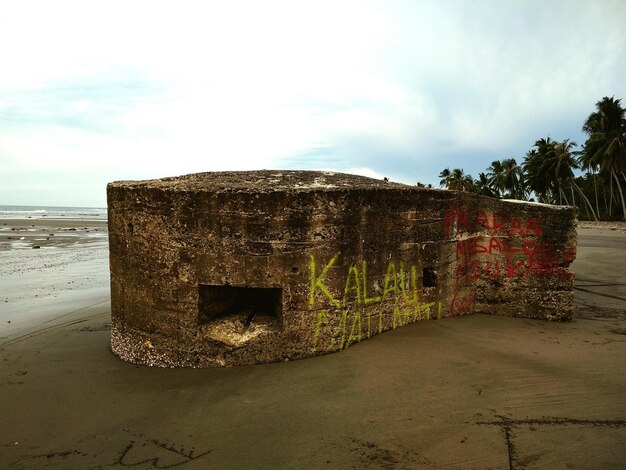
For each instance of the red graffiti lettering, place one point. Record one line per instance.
(495, 223)
(494, 244)
(492, 270)
(482, 221)
(462, 302)
(516, 227)
(533, 225)
(513, 267)
(478, 245)
(498, 223)
(530, 247)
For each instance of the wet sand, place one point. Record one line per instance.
(68, 272)
(472, 392)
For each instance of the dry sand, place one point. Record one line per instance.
(472, 392)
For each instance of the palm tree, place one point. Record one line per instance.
(605, 148)
(563, 165)
(496, 177)
(588, 184)
(536, 178)
(445, 178)
(482, 186)
(456, 180)
(467, 183)
(513, 179)
(592, 176)
(549, 172)
(506, 178)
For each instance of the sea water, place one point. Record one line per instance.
(53, 212)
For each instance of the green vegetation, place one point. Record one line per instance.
(547, 172)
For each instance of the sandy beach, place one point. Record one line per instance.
(68, 272)
(475, 392)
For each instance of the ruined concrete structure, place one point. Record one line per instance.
(218, 269)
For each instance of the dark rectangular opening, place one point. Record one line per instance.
(257, 303)
(429, 277)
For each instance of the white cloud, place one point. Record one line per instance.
(144, 89)
(364, 171)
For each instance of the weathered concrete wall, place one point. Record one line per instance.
(249, 267)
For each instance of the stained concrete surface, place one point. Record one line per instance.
(472, 392)
(343, 257)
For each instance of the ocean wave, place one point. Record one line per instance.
(48, 212)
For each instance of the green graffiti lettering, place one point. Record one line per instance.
(343, 327)
(401, 316)
(391, 283)
(407, 315)
(317, 282)
(406, 285)
(355, 337)
(367, 300)
(352, 284)
(427, 308)
(402, 287)
(396, 315)
(321, 319)
(417, 312)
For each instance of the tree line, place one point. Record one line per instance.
(547, 171)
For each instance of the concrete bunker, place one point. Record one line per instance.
(231, 268)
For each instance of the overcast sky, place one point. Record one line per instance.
(92, 92)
